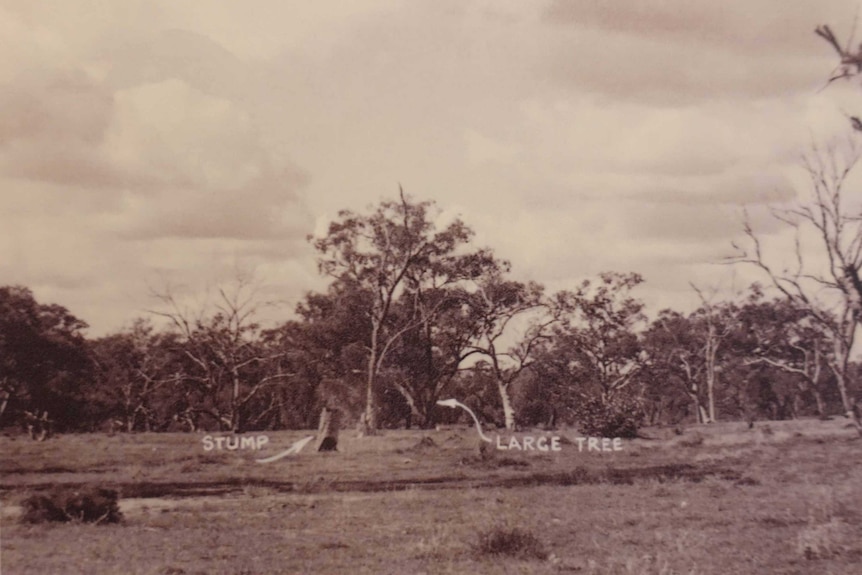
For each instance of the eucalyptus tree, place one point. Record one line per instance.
(595, 353)
(821, 277)
(430, 354)
(44, 362)
(137, 371)
(514, 319)
(786, 338)
(226, 367)
(385, 254)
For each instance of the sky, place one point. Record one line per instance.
(155, 146)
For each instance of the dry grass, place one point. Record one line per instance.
(782, 503)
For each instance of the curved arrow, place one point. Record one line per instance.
(295, 448)
(456, 403)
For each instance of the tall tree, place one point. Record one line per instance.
(829, 289)
(377, 253)
(437, 298)
(227, 368)
(136, 369)
(325, 350)
(676, 360)
(595, 352)
(514, 319)
(787, 339)
(43, 360)
(718, 323)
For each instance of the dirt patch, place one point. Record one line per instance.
(576, 476)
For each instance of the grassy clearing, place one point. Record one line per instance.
(733, 501)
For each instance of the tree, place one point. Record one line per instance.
(136, 370)
(595, 352)
(717, 323)
(785, 338)
(689, 352)
(429, 355)
(511, 310)
(324, 349)
(377, 253)
(675, 359)
(829, 290)
(226, 367)
(43, 360)
(850, 64)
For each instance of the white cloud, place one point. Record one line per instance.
(153, 141)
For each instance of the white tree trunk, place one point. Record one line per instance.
(508, 410)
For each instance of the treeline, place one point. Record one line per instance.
(415, 313)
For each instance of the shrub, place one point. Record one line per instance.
(617, 417)
(85, 505)
(511, 542)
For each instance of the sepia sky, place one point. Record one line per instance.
(155, 143)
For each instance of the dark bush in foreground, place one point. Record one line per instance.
(85, 505)
(619, 417)
(511, 542)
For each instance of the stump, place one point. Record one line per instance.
(327, 431)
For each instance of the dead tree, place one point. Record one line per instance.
(830, 293)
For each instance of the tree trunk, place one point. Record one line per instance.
(4, 403)
(368, 422)
(327, 430)
(818, 399)
(851, 409)
(710, 394)
(508, 410)
(702, 414)
(235, 419)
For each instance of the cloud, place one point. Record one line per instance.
(760, 26)
(127, 158)
(677, 52)
(51, 129)
(152, 140)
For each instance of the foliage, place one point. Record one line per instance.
(136, 371)
(395, 248)
(228, 373)
(511, 542)
(620, 416)
(503, 309)
(44, 361)
(67, 504)
(594, 351)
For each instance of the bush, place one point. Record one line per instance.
(511, 542)
(85, 505)
(617, 417)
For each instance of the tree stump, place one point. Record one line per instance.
(327, 431)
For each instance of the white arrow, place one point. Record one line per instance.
(456, 403)
(295, 448)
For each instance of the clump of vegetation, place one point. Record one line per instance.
(824, 540)
(510, 542)
(618, 417)
(85, 505)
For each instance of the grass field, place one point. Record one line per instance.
(785, 497)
